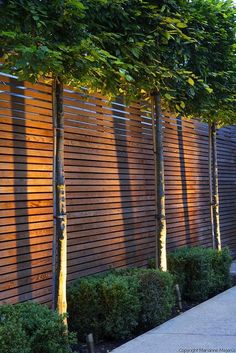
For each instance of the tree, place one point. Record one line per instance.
(212, 57)
(148, 37)
(43, 40)
(50, 40)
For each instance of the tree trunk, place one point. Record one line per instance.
(215, 189)
(60, 238)
(161, 260)
(210, 185)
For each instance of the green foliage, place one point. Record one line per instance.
(151, 263)
(119, 296)
(212, 57)
(183, 49)
(200, 272)
(106, 306)
(221, 262)
(120, 303)
(157, 297)
(133, 48)
(156, 294)
(85, 308)
(12, 335)
(147, 37)
(32, 328)
(41, 39)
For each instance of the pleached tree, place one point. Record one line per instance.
(149, 38)
(50, 40)
(213, 57)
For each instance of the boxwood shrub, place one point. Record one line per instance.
(32, 328)
(200, 272)
(85, 309)
(107, 306)
(156, 295)
(119, 304)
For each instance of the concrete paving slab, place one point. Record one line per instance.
(233, 268)
(208, 327)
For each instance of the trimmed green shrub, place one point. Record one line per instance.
(221, 262)
(121, 303)
(157, 297)
(32, 328)
(151, 263)
(107, 306)
(200, 272)
(12, 335)
(119, 296)
(85, 308)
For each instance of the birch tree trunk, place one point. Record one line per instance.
(210, 185)
(161, 260)
(215, 189)
(60, 238)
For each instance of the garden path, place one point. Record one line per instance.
(208, 327)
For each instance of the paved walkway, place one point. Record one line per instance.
(233, 269)
(208, 327)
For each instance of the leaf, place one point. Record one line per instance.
(163, 8)
(167, 35)
(182, 104)
(122, 72)
(168, 96)
(181, 25)
(129, 78)
(171, 20)
(191, 81)
(178, 108)
(209, 89)
(135, 52)
(191, 92)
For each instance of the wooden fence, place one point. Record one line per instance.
(109, 166)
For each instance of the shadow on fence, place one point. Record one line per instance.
(20, 190)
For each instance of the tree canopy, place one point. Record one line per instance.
(127, 47)
(148, 38)
(212, 56)
(183, 49)
(41, 39)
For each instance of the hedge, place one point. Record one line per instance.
(157, 298)
(200, 272)
(32, 328)
(120, 304)
(107, 306)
